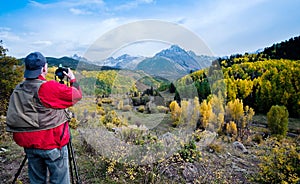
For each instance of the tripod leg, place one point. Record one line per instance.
(74, 162)
(70, 163)
(20, 169)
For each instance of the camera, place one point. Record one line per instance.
(59, 72)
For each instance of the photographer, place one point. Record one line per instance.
(38, 119)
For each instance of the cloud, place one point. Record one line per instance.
(227, 26)
(145, 48)
(132, 4)
(4, 29)
(145, 31)
(42, 43)
(37, 4)
(83, 7)
(68, 4)
(55, 37)
(77, 11)
(7, 35)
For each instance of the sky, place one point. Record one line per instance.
(225, 27)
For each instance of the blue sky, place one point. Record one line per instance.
(63, 28)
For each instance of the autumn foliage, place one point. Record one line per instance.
(11, 74)
(278, 120)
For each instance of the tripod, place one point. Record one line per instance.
(72, 163)
(72, 159)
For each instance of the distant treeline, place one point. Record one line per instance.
(288, 49)
(73, 64)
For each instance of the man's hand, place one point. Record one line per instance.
(70, 74)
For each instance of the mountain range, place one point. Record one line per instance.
(124, 61)
(72, 63)
(171, 63)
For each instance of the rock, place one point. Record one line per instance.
(170, 172)
(168, 138)
(207, 137)
(190, 172)
(238, 169)
(238, 145)
(2, 150)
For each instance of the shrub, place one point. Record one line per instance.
(145, 99)
(127, 108)
(112, 118)
(189, 152)
(277, 119)
(73, 123)
(110, 126)
(198, 135)
(106, 100)
(280, 164)
(141, 109)
(100, 110)
(132, 135)
(176, 123)
(163, 109)
(140, 100)
(136, 101)
(175, 110)
(216, 147)
(257, 138)
(4, 135)
(11, 75)
(231, 128)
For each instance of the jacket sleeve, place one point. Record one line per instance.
(59, 96)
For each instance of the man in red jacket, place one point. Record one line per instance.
(38, 119)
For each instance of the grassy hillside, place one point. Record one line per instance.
(117, 82)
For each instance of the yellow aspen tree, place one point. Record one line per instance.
(235, 113)
(248, 115)
(185, 111)
(231, 128)
(195, 113)
(205, 113)
(175, 112)
(231, 88)
(235, 110)
(217, 117)
(244, 87)
(220, 121)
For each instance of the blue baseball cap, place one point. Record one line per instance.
(34, 63)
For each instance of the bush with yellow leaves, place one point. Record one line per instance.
(231, 129)
(175, 113)
(279, 162)
(111, 120)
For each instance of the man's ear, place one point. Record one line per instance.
(45, 68)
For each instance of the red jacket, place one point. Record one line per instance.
(53, 95)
